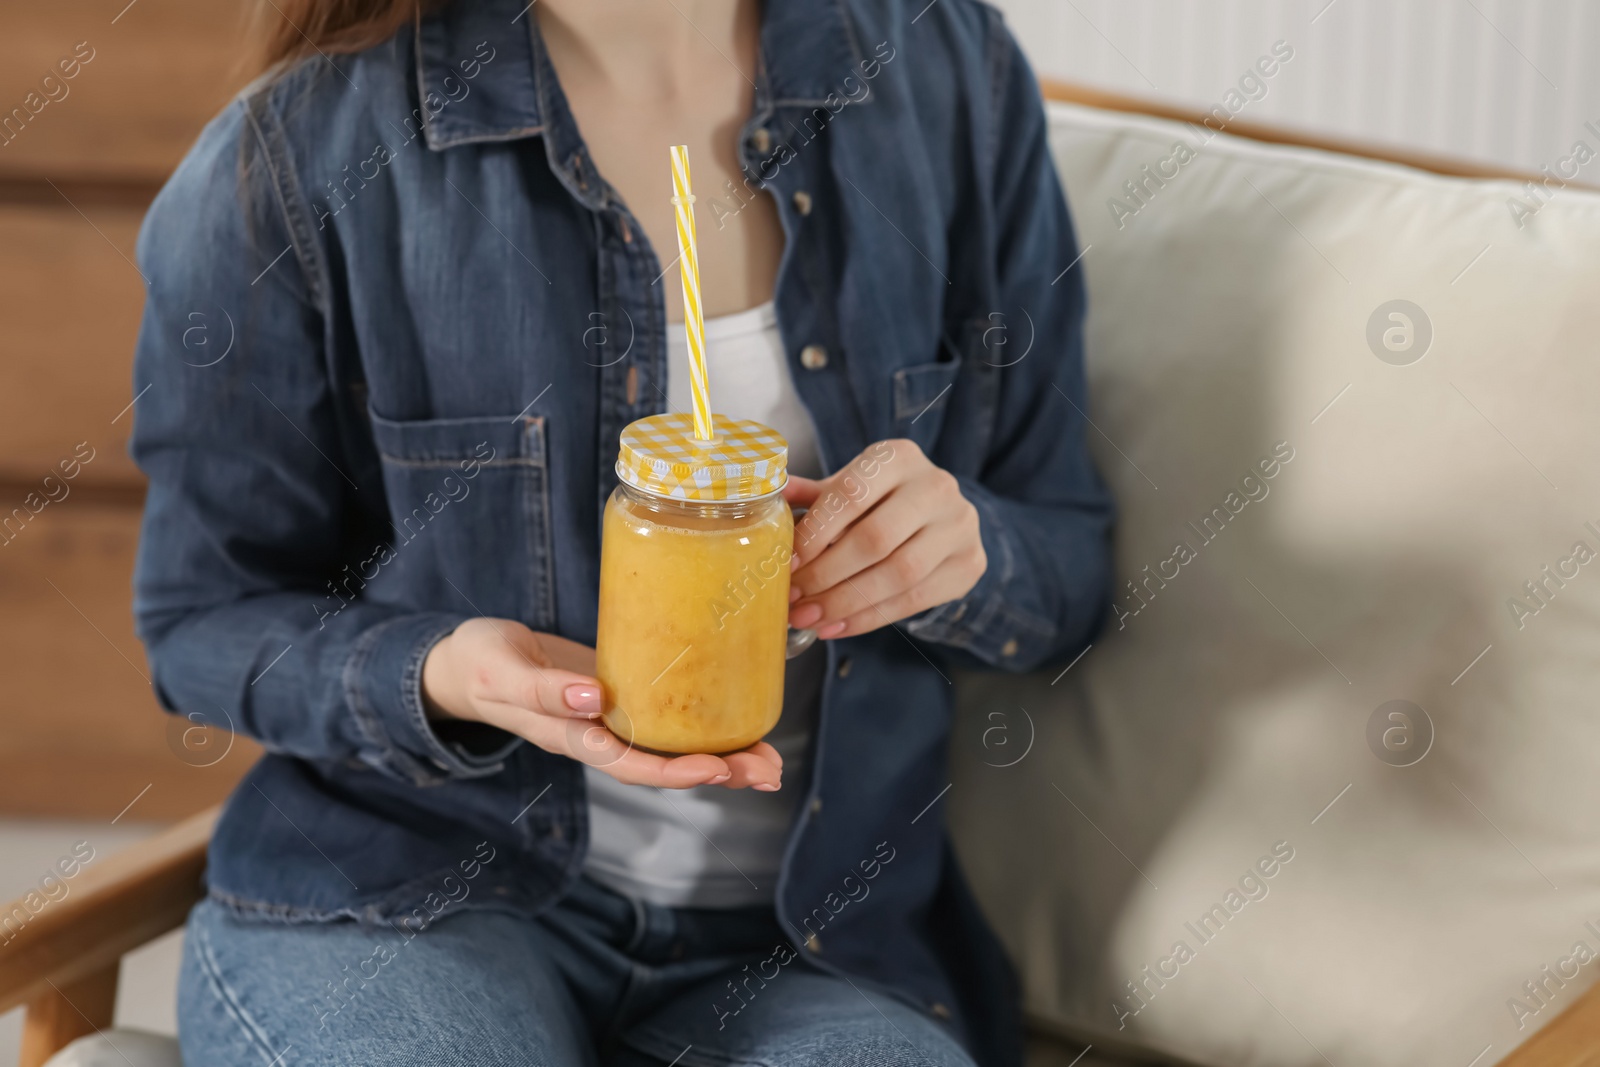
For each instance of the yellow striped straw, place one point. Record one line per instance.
(694, 322)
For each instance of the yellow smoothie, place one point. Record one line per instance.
(694, 606)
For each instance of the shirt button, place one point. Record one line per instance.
(814, 944)
(940, 1011)
(762, 139)
(813, 357)
(1009, 648)
(802, 202)
(844, 667)
(816, 805)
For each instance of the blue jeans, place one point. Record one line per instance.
(598, 979)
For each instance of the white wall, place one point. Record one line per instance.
(1507, 81)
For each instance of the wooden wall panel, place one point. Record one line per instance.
(83, 734)
(70, 301)
(160, 70)
(80, 158)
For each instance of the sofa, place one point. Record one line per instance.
(1323, 790)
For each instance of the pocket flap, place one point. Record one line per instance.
(495, 440)
(923, 387)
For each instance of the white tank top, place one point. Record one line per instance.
(713, 847)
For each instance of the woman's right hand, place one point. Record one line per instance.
(541, 687)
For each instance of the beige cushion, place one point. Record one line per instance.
(1226, 315)
(119, 1048)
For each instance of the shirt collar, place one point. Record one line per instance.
(483, 74)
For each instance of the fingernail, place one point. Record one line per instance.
(794, 560)
(765, 787)
(802, 617)
(719, 779)
(794, 594)
(584, 699)
(830, 630)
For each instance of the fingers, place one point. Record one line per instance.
(633, 767)
(949, 581)
(466, 668)
(879, 533)
(552, 691)
(887, 551)
(521, 673)
(801, 492)
(517, 671)
(757, 767)
(846, 495)
(568, 655)
(761, 748)
(590, 742)
(827, 521)
(894, 573)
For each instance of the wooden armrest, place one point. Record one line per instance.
(62, 959)
(111, 908)
(1571, 1039)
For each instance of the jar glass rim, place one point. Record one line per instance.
(733, 501)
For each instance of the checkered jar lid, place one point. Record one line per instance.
(661, 455)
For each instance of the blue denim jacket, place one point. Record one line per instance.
(396, 322)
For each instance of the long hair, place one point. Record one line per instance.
(283, 31)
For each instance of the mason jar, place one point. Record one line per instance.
(694, 587)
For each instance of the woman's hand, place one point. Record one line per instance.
(885, 537)
(541, 687)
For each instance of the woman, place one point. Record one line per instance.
(438, 245)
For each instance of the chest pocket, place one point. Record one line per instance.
(469, 502)
(948, 406)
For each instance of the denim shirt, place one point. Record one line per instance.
(396, 322)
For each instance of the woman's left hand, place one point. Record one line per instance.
(886, 536)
